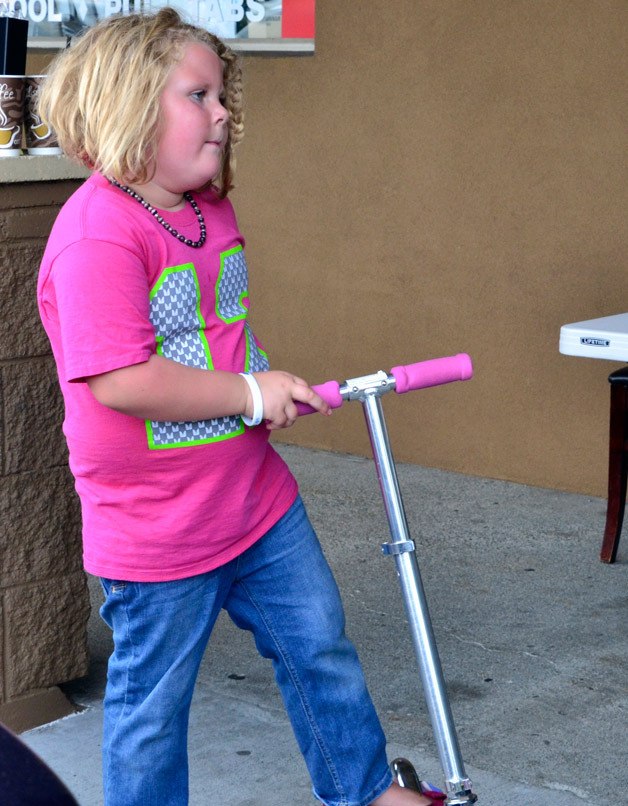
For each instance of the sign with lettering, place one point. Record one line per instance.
(247, 25)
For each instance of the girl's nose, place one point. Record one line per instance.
(220, 113)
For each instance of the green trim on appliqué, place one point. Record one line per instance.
(201, 321)
(191, 443)
(248, 336)
(244, 295)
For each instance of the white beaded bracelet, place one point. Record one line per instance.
(258, 401)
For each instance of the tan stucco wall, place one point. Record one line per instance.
(445, 176)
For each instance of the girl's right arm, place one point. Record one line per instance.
(164, 390)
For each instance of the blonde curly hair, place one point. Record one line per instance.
(102, 95)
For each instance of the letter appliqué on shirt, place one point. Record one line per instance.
(175, 312)
(232, 289)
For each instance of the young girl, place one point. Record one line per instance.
(169, 400)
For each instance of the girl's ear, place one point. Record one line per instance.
(87, 162)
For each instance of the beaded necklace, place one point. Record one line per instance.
(163, 222)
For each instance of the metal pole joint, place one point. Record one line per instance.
(398, 548)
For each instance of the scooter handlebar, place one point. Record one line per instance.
(435, 372)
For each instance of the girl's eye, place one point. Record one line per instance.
(198, 95)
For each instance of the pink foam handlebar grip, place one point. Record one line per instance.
(435, 372)
(330, 392)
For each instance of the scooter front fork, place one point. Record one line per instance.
(401, 547)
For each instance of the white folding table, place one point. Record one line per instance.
(607, 338)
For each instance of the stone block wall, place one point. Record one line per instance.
(44, 602)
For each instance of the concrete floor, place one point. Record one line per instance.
(531, 629)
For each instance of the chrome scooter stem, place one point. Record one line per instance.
(402, 548)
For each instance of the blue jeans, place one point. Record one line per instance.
(283, 591)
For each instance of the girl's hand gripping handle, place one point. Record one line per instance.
(330, 392)
(432, 373)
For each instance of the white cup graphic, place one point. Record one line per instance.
(40, 139)
(11, 115)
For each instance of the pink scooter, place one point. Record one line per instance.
(368, 390)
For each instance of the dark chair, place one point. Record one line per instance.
(617, 464)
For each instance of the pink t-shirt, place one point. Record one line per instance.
(160, 500)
